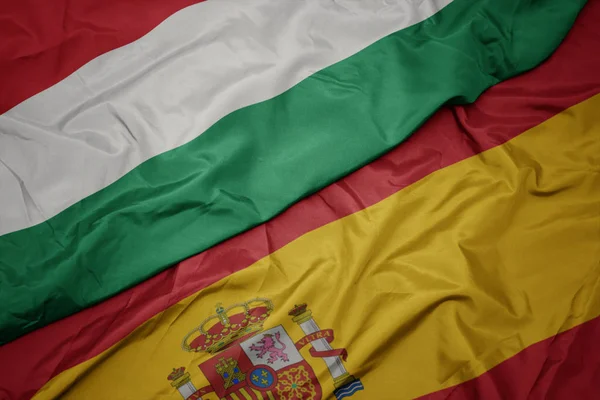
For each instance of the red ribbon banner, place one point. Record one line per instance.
(201, 392)
(327, 335)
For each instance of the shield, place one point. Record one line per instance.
(264, 366)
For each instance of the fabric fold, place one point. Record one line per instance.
(293, 145)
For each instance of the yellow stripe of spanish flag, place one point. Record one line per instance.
(426, 289)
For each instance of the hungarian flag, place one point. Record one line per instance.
(299, 199)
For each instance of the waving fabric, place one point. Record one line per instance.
(300, 200)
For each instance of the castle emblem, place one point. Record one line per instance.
(252, 363)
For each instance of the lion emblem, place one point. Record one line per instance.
(272, 345)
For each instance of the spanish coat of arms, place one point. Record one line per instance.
(249, 363)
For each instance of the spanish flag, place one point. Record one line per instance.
(300, 200)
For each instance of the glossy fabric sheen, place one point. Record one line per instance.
(452, 134)
(167, 88)
(562, 367)
(257, 161)
(45, 41)
(429, 288)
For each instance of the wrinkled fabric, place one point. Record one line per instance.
(161, 91)
(451, 135)
(43, 42)
(564, 366)
(429, 288)
(257, 161)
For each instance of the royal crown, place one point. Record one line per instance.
(176, 374)
(228, 325)
(298, 309)
(179, 377)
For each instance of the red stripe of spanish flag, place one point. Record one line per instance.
(565, 366)
(499, 115)
(428, 288)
